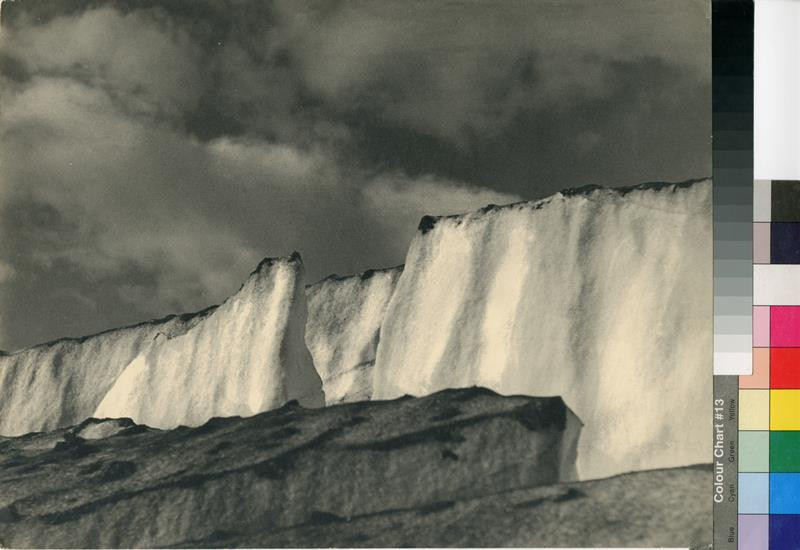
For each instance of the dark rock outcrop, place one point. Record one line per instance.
(235, 478)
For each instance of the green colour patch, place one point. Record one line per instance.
(784, 452)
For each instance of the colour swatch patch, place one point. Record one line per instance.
(769, 398)
(769, 433)
(776, 243)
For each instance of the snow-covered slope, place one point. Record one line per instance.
(601, 296)
(61, 383)
(248, 356)
(286, 468)
(344, 319)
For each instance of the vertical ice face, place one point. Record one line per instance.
(61, 383)
(344, 320)
(601, 296)
(248, 356)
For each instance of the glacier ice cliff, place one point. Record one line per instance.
(246, 357)
(601, 296)
(344, 320)
(61, 383)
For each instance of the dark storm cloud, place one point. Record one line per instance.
(642, 128)
(58, 292)
(153, 152)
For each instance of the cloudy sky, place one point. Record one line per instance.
(152, 152)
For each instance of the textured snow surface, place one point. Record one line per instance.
(61, 383)
(344, 320)
(651, 509)
(291, 467)
(248, 356)
(601, 296)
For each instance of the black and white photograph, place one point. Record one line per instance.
(370, 273)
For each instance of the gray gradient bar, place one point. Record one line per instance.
(732, 122)
(732, 126)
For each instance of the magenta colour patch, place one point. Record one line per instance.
(784, 326)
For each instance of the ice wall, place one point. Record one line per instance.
(248, 356)
(344, 320)
(601, 296)
(61, 383)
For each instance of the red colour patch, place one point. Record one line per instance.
(784, 368)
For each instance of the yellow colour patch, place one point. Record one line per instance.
(784, 410)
